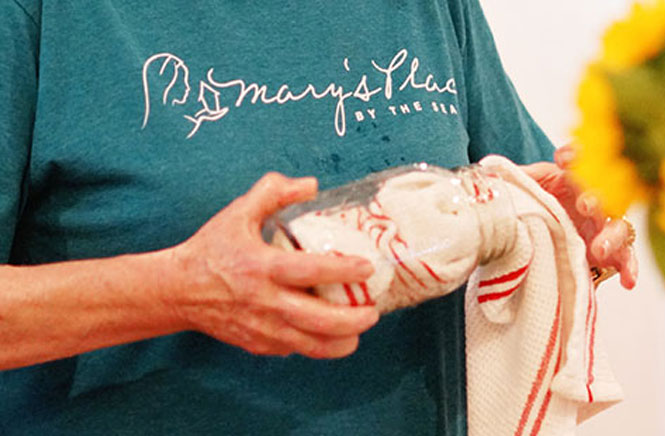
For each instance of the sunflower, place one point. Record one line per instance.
(621, 136)
(600, 165)
(622, 103)
(638, 38)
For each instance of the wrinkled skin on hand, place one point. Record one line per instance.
(606, 239)
(244, 292)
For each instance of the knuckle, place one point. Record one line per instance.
(272, 181)
(250, 266)
(247, 294)
(250, 324)
(273, 176)
(257, 324)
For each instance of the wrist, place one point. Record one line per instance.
(187, 284)
(172, 282)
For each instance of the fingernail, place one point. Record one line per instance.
(565, 156)
(588, 205)
(365, 267)
(605, 249)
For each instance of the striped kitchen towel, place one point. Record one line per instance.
(534, 366)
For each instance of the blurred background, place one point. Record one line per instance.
(545, 46)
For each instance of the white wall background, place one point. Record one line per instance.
(545, 46)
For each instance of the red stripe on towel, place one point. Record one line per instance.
(350, 295)
(506, 277)
(382, 229)
(401, 279)
(378, 238)
(432, 273)
(543, 409)
(497, 295)
(377, 216)
(406, 268)
(542, 371)
(368, 299)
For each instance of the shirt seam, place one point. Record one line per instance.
(25, 11)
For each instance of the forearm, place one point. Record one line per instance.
(59, 310)
(224, 281)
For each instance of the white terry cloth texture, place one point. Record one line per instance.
(395, 232)
(534, 366)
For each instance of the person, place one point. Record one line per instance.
(137, 294)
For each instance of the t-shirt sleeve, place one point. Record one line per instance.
(497, 121)
(19, 35)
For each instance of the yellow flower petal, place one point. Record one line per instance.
(599, 165)
(636, 39)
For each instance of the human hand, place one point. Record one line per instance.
(244, 292)
(608, 240)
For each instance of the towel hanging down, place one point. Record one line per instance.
(534, 366)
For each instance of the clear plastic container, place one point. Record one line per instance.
(424, 228)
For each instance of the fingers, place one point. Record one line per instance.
(275, 191)
(303, 270)
(281, 336)
(318, 347)
(261, 309)
(563, 156)
(611, 248)
(589, 207)
(627, 265)
(612, 238)
(318, 316)
(258, 344)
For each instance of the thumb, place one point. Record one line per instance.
(275, 191)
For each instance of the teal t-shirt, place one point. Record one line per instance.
(125, 125)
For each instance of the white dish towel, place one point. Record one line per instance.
(534, 366)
